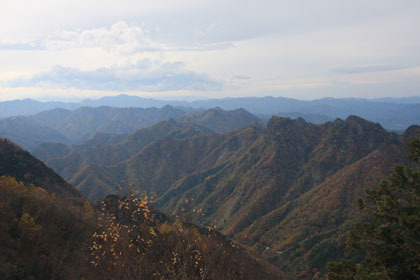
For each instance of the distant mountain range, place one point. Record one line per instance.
(74, 127)
(81, 124)
(29, 133)
(392, 113)
(112, 148)
(283, 186)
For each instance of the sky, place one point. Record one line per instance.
(186, 49)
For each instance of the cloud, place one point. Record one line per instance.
(199, 46)
(120, 37)
(145, 75)
(367, 69)
(21, 46)
(240, 77)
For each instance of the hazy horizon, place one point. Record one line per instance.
(209, 49)
(197, 98)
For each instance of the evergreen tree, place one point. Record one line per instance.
(390, 239)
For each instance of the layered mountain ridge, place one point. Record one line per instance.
(78, 127)
(287, 189)
(392, 113)
(49, 231)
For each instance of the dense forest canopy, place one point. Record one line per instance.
(389, 239)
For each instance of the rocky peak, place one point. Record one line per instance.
(281, 125)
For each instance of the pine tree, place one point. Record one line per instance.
(390, 240)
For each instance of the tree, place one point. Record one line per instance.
(389, 240)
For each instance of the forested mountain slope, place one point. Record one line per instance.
(21, 165)
(83, 123)
(107, 125)
(48, 231)
(220, 120)
(30, 133)
(73, 127)
(287, 189)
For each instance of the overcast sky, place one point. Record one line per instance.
(303, 49)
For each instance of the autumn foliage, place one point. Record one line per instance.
(134, 241)
(43, 236)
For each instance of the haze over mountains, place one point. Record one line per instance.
(210, 140)
(74, 127)
(73, 123)
(392, 113)
(287, 189)
(283, 187)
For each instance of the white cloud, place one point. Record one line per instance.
(120, 37)
(279, 44)
(146, 75)
(21, 45)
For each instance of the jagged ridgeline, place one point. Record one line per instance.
(49, 231)
(73, 127)
(287, 189)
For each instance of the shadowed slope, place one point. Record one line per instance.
(17, 163)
